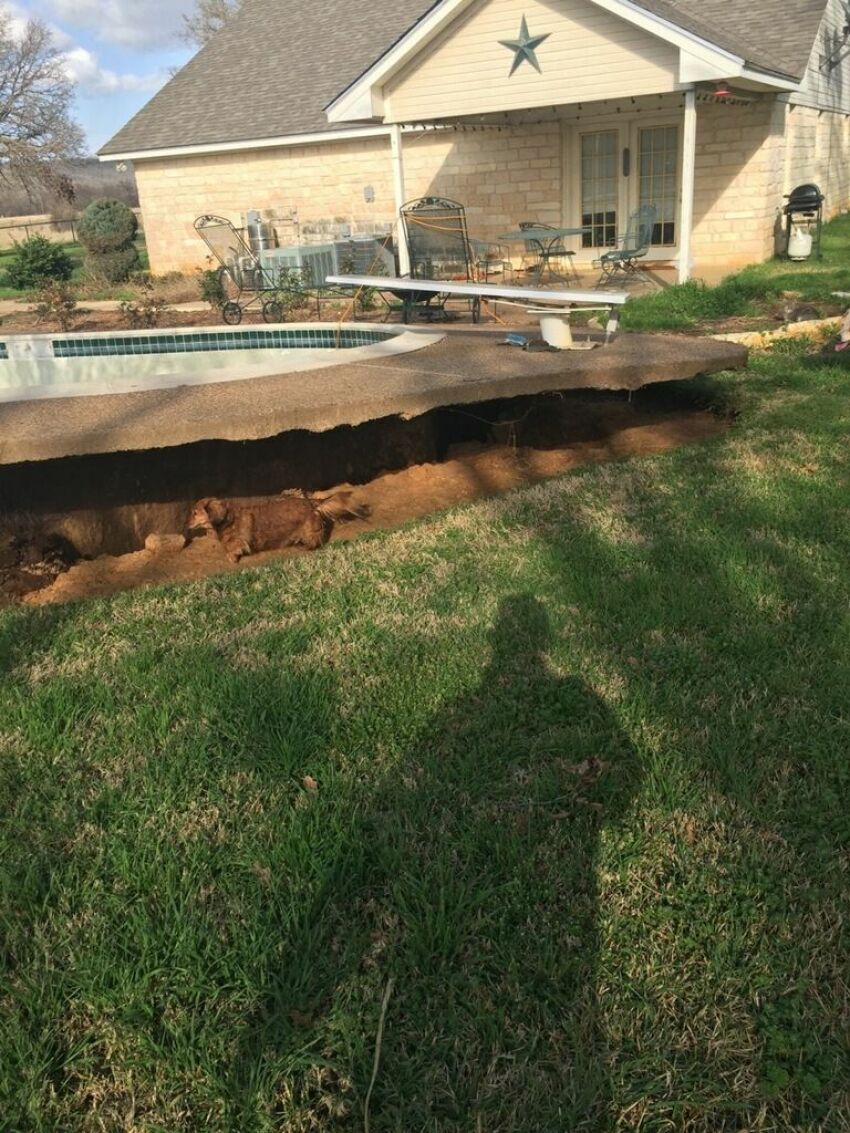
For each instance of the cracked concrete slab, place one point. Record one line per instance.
(465, 368)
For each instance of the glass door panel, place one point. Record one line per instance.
(600, 188)
(659, 179)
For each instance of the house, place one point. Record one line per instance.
(568, 112)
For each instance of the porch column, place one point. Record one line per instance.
(400, 198)
(686, 211)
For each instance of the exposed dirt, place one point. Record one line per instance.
(774, 314)
(91, 320)
(81, 508)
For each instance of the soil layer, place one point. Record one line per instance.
(78, 527)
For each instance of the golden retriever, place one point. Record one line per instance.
(246, 527)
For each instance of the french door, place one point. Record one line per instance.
(615, 169)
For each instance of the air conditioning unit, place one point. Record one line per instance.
(316, 261)
(366, 255)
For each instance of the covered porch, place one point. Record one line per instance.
(591, 111)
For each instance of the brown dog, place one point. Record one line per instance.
(246, 527)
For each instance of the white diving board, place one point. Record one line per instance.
(561, 301)
(530, 296)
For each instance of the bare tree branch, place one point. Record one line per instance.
(36, 127)
(209, 17)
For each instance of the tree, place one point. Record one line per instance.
(208, 17)
(36, 127)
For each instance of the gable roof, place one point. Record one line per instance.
(271, 72)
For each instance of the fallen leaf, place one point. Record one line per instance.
(310, 784)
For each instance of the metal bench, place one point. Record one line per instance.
(555, 302)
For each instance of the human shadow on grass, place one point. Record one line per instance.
(470, 879)
(716, 612)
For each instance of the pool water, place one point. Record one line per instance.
(86, 365)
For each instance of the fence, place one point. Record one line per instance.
(14, 229)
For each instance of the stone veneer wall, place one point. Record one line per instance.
(747, 157)
(500, 176)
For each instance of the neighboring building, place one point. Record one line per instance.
(561, 111)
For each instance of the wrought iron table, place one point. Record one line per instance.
(546, 240)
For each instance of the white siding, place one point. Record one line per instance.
(824, 88)
(590, 55)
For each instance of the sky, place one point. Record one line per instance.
(118, 53)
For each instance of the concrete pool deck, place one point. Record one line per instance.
(468, 366)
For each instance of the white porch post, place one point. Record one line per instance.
(686, 211)
(400, 198)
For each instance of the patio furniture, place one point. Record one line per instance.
(539, 237)
(240, 272)
(557, 302)
(491, 259)
(547, 248)
(439, 248)
(634, 245)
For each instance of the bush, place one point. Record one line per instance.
(143, 312)
(36, 260)
(56, 301)
(107, 226)
(211, 288)
(113, 267)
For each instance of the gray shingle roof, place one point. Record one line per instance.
(272, 71)
(772, 35)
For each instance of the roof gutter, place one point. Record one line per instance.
(286, 140)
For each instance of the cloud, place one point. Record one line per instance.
(84, 69)
(145, 25)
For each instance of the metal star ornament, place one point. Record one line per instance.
(524, 48)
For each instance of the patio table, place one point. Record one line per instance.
(546, 239)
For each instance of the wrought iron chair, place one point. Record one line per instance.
(633, 246)
(439, 248)
(547, 251)
(491, 259)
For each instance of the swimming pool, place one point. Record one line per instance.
(87, 365)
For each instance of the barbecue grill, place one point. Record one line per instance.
(803, 221)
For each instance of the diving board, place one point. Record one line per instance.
(558, 300)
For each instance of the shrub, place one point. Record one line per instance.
(293, 290)
(107, 230)
(55, 300)
(107, 226)
(143, 312)
(113, 267)
(212, 289)
(36, 260)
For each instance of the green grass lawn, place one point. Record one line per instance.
(79, 278)
(570, 767)
(751, 291)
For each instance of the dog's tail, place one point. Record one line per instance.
(338, 507)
